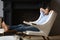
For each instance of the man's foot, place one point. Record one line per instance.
(4, 26)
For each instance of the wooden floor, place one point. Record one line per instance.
(40, 38)
(55, 37)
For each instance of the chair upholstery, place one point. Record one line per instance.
(44, 27)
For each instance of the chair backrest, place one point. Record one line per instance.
(46, 26)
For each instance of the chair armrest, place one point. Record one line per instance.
(29, 23)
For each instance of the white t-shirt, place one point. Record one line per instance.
(42, 18)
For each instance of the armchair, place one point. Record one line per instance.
(45, 27)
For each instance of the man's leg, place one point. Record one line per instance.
(15, 26)
(26, 28)
(19, 28)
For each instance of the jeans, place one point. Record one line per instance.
(22, 27)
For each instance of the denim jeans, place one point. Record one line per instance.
(22, 27)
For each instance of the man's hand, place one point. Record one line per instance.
(25, 22)
(34, 24)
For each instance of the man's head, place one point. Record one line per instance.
(46, 11)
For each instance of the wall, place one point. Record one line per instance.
(1, 6)
(55, 5)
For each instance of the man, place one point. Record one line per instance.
(24, 27)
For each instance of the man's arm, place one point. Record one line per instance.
(44, 10)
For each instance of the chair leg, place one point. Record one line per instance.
(44, 38)
(48, 38)
(21, 39)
